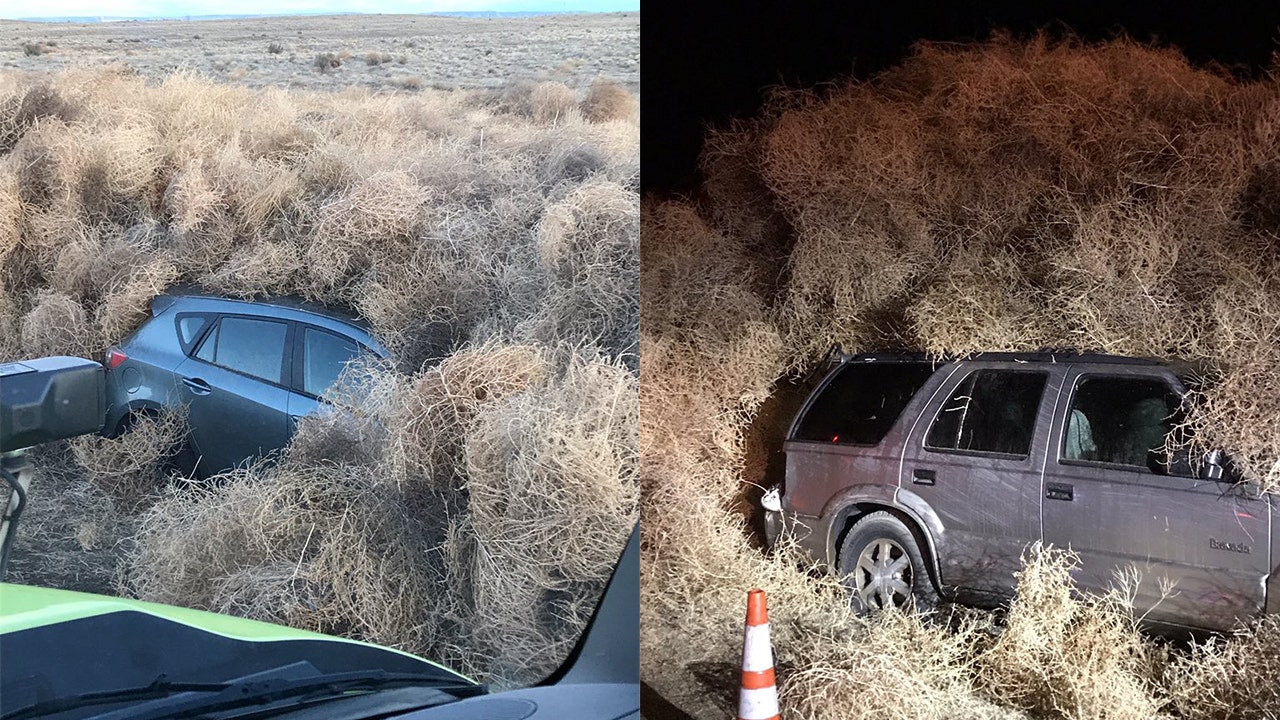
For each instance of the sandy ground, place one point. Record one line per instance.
(402, 52)
(71, 535)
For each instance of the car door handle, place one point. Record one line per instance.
(1059, 491)
(197, 386)
(924, 477)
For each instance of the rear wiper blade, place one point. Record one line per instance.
(234, 694)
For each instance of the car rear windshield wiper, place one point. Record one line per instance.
(215, 697)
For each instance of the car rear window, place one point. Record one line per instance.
(991, 411)
(861, 402)
(253, 347)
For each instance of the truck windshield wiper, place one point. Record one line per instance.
(215, 697)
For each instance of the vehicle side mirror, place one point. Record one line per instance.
(1212, 467)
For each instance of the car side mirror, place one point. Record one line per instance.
(1212, 467)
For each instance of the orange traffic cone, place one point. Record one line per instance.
(758, 699)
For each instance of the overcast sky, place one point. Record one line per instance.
(180, 8)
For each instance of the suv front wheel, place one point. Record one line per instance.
(882, 566)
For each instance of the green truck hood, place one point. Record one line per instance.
(23, 607)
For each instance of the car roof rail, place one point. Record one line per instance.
(288, 302)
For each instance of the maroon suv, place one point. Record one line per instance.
(916, 479)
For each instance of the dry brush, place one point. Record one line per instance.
(472, 497)
(1007, 195)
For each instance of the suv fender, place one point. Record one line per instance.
(846, 507)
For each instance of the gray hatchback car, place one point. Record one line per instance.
(915, 480)
(248, 371)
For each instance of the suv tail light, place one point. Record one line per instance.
(115, 357)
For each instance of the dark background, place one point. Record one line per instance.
(706, 63)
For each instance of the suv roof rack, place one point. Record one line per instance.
(838, 356)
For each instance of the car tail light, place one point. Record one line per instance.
(114, 358)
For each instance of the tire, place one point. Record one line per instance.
(881, 563)
(182, 458)
(186, 461)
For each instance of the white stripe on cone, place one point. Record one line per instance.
(759, 704)
(757, 653)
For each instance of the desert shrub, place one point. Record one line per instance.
(1011, 194)
(1060, 657)
(326, 61)
(1224, 678)
(545, 102)
(276, 48)
(463, 234)
(134, 467)
(378, 58)
(585, 242)
(126, 309)
(56, 325)
(549, 473)
(515, 96)
(607, 101)
(893, 666)
(11, 345)
(552, 102)
(471, 513)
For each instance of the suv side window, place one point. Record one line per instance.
(1120, 421)
(324, 355)
(247, 345)
(862, 402)
(992, 411)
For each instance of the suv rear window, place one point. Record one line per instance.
(991, 411)
(862, 402)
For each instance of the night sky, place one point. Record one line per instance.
(705, 63)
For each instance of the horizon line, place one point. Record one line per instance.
(226, 16)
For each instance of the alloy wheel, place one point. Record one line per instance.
(883, 575)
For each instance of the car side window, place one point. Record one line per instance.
(209, 347)
(190, 327)
(991, 411)
(247, 345)
(1120, 421)
(324, 356)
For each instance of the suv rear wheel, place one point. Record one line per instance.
(882, 565)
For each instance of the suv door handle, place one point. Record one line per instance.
(197, 386)
(1059, 491)
(920, 476)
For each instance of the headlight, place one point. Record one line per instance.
(772, 499)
